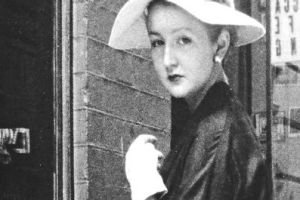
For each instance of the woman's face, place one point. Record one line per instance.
(182, 50)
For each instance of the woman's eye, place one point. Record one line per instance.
(157, 43)
(184, 40)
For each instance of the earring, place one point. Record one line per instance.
(217, 59)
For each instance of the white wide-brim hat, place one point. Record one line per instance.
(130, 31)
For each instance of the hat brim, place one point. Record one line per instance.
(130, 32)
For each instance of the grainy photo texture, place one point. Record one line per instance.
(149, 100)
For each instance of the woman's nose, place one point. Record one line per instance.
(170, 60)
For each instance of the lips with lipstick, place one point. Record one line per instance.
(174, 77)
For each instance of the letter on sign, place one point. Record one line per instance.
(285, 31)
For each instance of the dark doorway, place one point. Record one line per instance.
(26, 99)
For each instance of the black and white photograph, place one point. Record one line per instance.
(149, 100)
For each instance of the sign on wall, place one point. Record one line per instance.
(285, 30)
(18, 138)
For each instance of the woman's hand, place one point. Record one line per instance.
(141, 167)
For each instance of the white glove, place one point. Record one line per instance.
(141, 167)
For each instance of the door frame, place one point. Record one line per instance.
(63, 100)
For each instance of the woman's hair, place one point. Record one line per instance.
(214, 30)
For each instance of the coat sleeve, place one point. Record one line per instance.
(249, 172)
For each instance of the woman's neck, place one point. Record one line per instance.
(217, 74)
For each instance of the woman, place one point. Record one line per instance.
(214, 153)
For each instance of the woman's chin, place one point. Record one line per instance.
(178, 94)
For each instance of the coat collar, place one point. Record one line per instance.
(216, 98)
(208, 112)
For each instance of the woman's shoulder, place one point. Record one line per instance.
(241, 132)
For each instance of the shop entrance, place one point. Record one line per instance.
(26, 98)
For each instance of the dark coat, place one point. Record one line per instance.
(215, 154)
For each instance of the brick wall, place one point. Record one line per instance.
(116, 97)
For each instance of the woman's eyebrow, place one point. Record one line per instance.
(182, 29)
(153, 33)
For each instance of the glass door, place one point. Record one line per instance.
(285, 99)
(286, 130)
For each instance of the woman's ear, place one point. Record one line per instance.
(223, 43)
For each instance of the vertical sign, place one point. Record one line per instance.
(285, 30)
